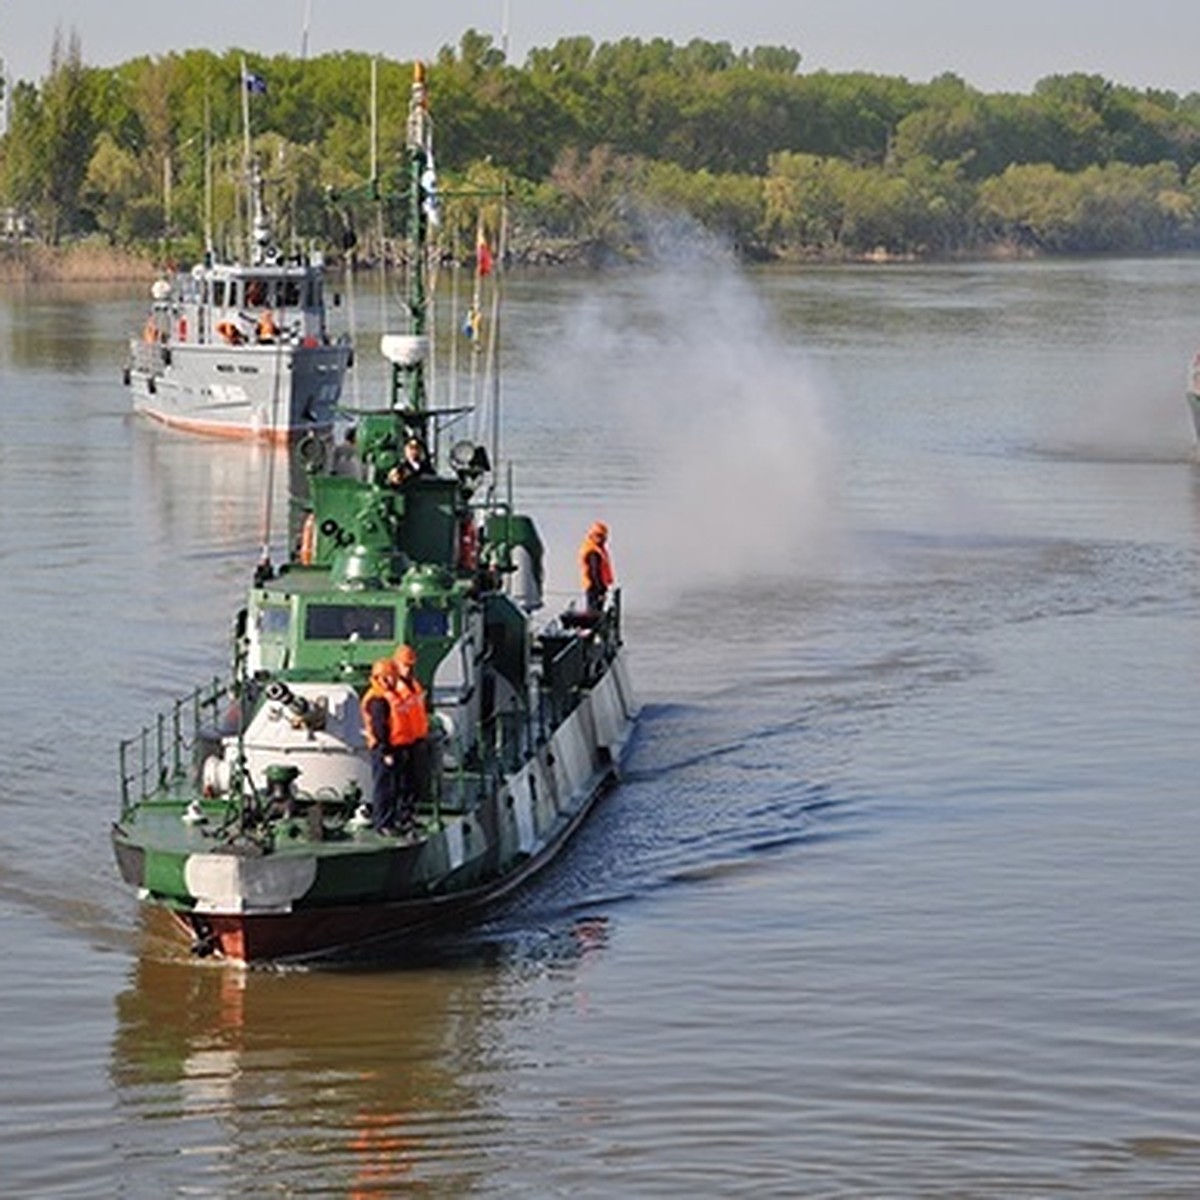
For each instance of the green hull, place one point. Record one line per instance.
(317, 881)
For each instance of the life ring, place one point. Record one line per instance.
(312, 451)
(308, 540)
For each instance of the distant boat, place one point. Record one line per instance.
(241, 349)
(244, 810)
(1193, 394)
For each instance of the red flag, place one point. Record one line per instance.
(483, 257)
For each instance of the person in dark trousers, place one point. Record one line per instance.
(345, 455)
(410, 725)
(595, 567)
(378, 726)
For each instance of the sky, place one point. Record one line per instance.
(995, 45)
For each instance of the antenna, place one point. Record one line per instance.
(208, 179)
(244, 88)
(304, 31)
(374, 120)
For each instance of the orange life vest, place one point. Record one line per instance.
(375, 691)
(409, 720)
(308, 539)
(592, 546)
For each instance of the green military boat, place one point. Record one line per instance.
(246, 808)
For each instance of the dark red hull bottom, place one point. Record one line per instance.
(308, 935)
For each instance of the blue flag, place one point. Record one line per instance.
(256, 85)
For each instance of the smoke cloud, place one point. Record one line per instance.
(711, 454)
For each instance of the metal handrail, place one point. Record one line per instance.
(163, 752)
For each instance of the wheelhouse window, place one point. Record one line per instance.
(273, 622)
(429, 622)
(343, 622)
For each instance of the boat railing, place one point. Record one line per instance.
(502, 743)
(575, 654)
(147, 356)
(165, 754)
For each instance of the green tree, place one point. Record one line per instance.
(774, 60)
(585, 133)
(24, 157)
(68, 133)
(594, 188)
(803, 201)
(1030, 205)
(729, 205)
(116, 190)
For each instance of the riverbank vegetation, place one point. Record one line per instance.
(594, 144)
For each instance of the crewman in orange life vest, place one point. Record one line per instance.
(410, 735)
(266, 329)
(595, 567)
(377, 705)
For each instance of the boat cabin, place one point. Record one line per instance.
(233, 305)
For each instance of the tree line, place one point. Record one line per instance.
(591, 142)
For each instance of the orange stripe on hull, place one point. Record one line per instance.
(234, 433)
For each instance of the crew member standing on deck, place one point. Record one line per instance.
(377, 705)
(410, 733)
(595, 567)
(266, 329)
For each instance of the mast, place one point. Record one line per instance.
(409, 375)
(375, 122)
(251, 200)
(304, 32)
(259, 247)
(208, 183)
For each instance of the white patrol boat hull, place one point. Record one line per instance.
(266, 392)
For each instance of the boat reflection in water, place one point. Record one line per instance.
(361, 1081)
(194, 494)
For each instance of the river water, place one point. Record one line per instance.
(899, 895)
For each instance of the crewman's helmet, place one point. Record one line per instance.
(383, 671)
